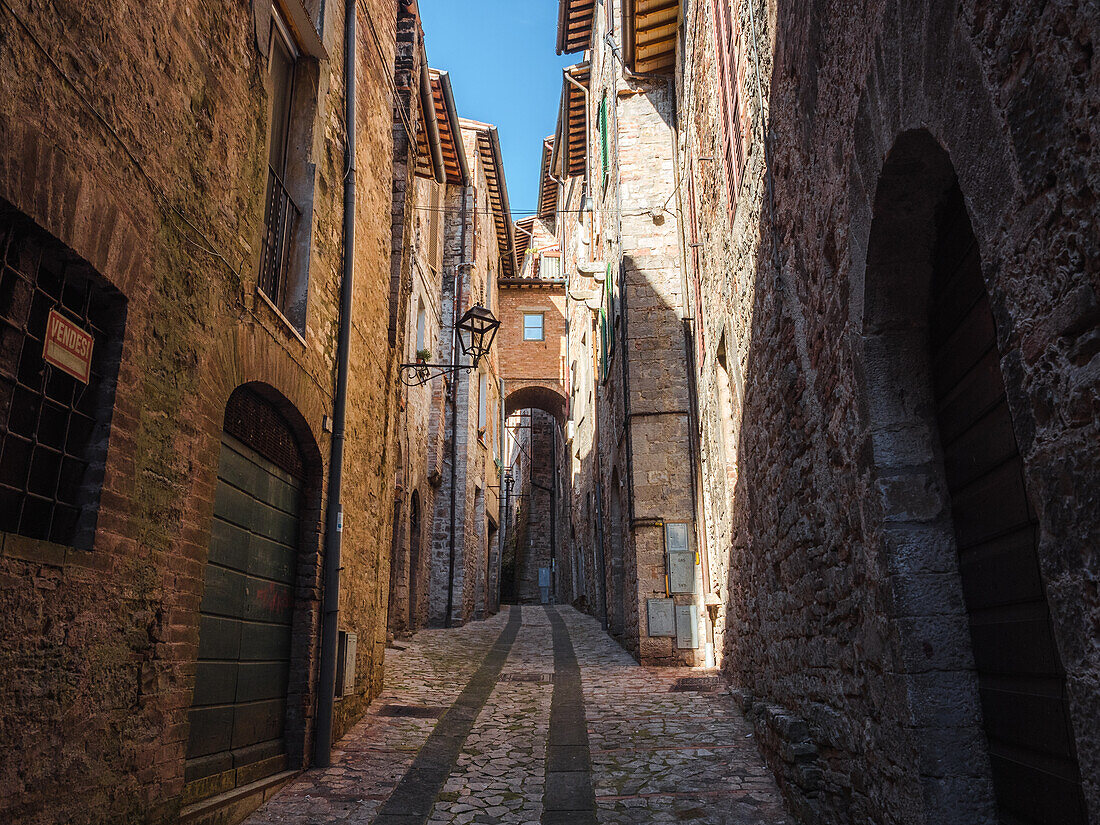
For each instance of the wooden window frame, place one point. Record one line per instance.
(542, 325)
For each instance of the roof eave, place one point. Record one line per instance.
(456, 128)
(506, 210)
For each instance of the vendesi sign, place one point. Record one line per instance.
(68, 347)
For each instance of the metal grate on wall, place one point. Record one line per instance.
(252, 419)
(53, 427)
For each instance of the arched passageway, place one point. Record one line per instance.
(941, 420)
(536, 566)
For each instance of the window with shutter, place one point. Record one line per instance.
(734, 114)
(605, 154)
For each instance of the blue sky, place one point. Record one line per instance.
(504, 71)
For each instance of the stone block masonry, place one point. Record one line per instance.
(829, 511)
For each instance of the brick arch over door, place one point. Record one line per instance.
(924, 73)
(260, 605)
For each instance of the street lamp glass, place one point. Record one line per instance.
(476, 330)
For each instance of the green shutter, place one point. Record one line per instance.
(605, 156)
(604, 339)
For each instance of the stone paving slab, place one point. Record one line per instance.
(647, 754)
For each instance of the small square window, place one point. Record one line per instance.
(532, 326)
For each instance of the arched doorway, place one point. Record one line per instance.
(958, 521)
(536, 563)
(245, 671)
(617, 623)
(414, 560)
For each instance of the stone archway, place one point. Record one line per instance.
(960, 534)
(535, 568)
(548, 396)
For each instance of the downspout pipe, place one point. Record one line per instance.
(334, 517)
(435, 143)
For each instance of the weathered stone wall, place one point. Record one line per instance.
(644, 405)
(140, 144)
(842, 608)
(582, 459)
(472, 239)
(421, 413)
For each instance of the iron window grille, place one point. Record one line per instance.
(280, 221)
(281, 214)
(53, 427)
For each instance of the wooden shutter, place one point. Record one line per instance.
(605, 154)
(734, 114)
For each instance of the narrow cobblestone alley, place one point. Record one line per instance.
(475, 725)
(556, 412)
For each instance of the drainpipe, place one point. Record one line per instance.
(456, 375)
(334, 518)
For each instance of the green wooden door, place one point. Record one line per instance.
(1025, 706)
(239, 708)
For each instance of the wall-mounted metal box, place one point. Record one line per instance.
(681, 571)
(661, 617)
(687, 627)
(347, 648)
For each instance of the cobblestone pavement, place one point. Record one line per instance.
(639, 754)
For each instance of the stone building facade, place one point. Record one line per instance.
(171, 180)
(886, 322)
(423, 405)
(643, 403)
(478, 250)
(883, 224)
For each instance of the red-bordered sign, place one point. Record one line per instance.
(68, 347)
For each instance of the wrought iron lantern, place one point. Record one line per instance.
(477, 328)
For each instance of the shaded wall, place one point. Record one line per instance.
(838, 625)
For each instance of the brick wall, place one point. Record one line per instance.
(164, 197)
(533, 363)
